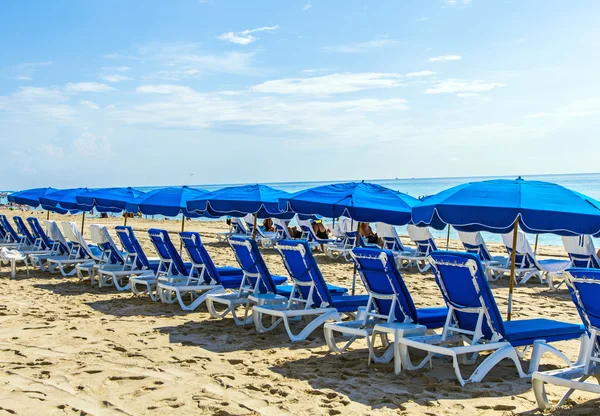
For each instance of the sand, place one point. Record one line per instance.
(69, 348)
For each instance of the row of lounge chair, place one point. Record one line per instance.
(470, 323)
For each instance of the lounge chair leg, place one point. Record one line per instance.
(490, 362)
(540, 347)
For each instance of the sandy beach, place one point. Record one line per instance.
(69, 348)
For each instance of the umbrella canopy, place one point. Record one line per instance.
(361, 201)
(114, 199)
(30, 197)
(495, 205)
(238, 201)
(64, 199)
(169, 202)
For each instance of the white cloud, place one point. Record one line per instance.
(164, 89)
(330, 84)
(53, 151)
(117, 68)
(445, 58)
(361, 46)
(462, 86)
(25, 72)
(314, 70)
(306, 7)
(88, 144)
(460, 3)
(467, 94)
(422, 19)
(87, 87)
(245, 37)
(115, 78)
(420, 74)
(88, 104)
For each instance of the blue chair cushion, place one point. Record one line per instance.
(279, 280)
(349, 303)
(286, 290)
(432, 317)
(229, 271)
(525, 331)
(232, 282)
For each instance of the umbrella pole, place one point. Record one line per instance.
(82, 222)
(47, 214)
(254, 229)
(513, 260)
(180, 240)
(125, 221)
(537, 236)
(354, 273)
(448, 238)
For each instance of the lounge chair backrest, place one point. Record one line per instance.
(343, 225)
(350, 239)
(474, 243)
(308, 233)
(101, 237)
(239, 226)
(389, 236)
(133, 247)
(27, 237)
(377, 269)
(422, 237)
(167, 252)
(248, 221)
(282, 229)
(524, 256)
(581, 251)
(252, 264)
(200, 257)
(72, 232)
(304, 271)
(57, 237)
(44, 241)
(467, 293)
(11, 234)
(584, 287)
(4, 237)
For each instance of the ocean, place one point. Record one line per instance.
(588, 184)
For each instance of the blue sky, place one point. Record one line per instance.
(115, 93)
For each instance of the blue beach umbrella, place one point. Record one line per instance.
(109, 199)
(65, 200)
(501, 206)
(361, 201)
(31, 197)
(169, 202)
(260, 200)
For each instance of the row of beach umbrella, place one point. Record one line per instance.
(497, 206)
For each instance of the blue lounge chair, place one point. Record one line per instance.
(172, 268)
(390, 308)
(474, 319)
(342, 247)
(310, 296)
(43, 242)
(308, 235)
(237, 227)
(527, 264)
(257, 285)
(61, 249)
(581, 251)
(27, 238)
(10, 236)
(584, 287)
(143, 281)
(81, 252)
(203, 278)
(423, 239)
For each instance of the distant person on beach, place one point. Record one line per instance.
(367, 232)
(293, 231)
(320, 230)
(268, 225)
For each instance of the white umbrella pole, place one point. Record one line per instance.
(354, 273)
(513, 260)
(182, 228)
